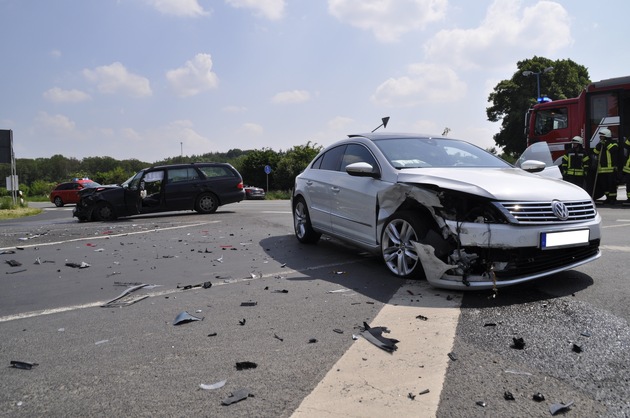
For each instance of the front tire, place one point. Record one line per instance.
(397, 248)
(304, 231)
(104, 212)
(207, 203)
(58, 202)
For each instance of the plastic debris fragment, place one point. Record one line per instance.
(185, 317)
(280, 291)
(411, 396)
(576, 348)
(245, 365)
(7, 252)
(213, 386)
(422, 317)
(424, 392)
(481, 403)
(375, 336)
(489, 324)
(277, 338)
(518, 343)
(242, 322)
(312, 340)
(13, 263)
(205, 285)
(538, 397)
(560, 407)
(452, 356)
(22, 365)
(236, 396)
(124, 299)
(338, 331)
(508, 396)
(249, 303)
(82, 265)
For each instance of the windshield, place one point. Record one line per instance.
(435, 152)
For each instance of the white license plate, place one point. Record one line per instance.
(563, 239)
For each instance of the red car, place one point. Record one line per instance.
(68, 192)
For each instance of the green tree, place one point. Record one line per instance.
(252, 167)
(512, 98)
(292, 163)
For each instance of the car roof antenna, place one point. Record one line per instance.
(384, 124)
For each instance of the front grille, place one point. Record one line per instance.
(530, 213)
(530, 261)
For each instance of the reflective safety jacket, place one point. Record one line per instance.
(626, 166)
(606, 161)
(575, 163)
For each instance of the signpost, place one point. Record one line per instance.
(267, 172)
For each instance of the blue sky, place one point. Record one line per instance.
(150, 79)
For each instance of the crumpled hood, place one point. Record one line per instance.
(506, 184)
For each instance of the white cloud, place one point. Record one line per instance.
(339, 123)
(57, 124)
(250, 129)
(388, 19)
(293, 96)
(507, 33)
(194, 77)
(55, 53)
(180, 8)
(58, 95)
(425, 83)
(270, 9)
(115, 78)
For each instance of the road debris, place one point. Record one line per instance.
(237, 396)
(245, 365)
(422, 317)
(213, 386)
(124, 299)
(82, 265)
(205, 285)
(185, 317)
(23, 365)
(13, 263)
(375, 336)
(538, 397)
(556, 408)
(518, 343)
(452, 356)
(508, 396)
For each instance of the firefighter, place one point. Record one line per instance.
(606, 156)
(626, 170)
(575, 163)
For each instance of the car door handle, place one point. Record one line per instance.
(309, 182)
(335, 189)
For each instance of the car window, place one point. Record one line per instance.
(216, 171)
(356, 153)
(332, 159)
(176, 175)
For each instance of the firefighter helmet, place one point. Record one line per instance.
(605, 132)
(577, 140)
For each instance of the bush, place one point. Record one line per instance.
(6, 203)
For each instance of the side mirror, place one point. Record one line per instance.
(362, 169)
(533, 166)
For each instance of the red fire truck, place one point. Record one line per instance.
(602, 104)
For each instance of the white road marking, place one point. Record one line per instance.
(107, 236)
(369, 382)
(285, 271)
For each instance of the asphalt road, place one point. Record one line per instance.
(292, 310)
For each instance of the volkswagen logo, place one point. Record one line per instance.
(560, 210)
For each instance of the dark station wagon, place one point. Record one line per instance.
(202, 187)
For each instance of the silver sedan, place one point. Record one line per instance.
(445, 210)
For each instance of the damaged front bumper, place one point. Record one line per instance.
(496, 255)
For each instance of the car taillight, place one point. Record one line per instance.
(240, 186)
